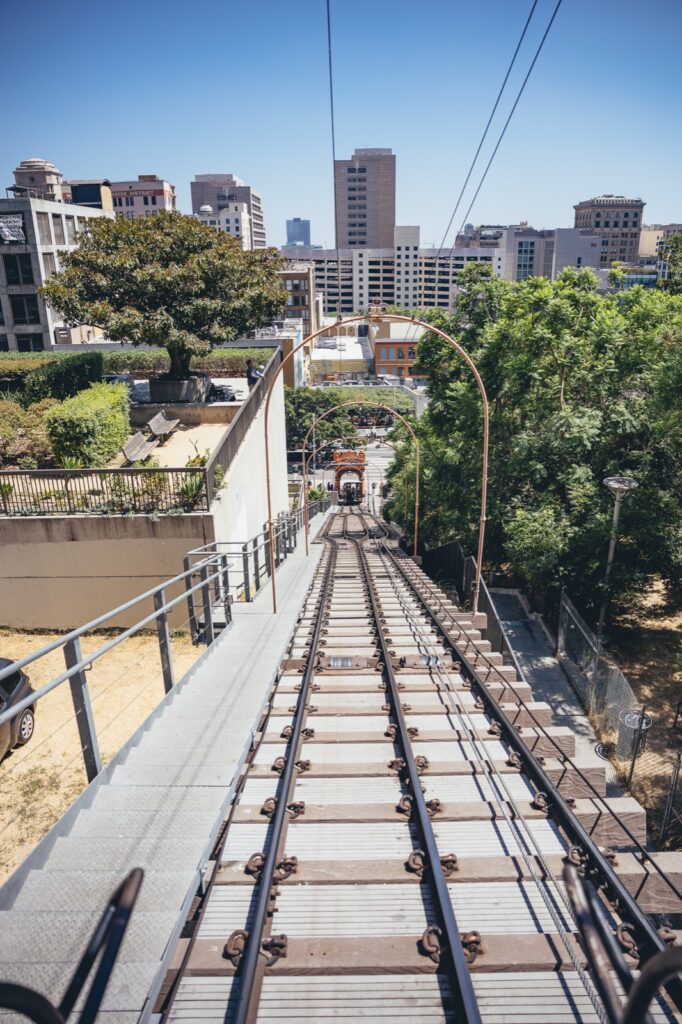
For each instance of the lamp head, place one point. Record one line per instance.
(620, 485)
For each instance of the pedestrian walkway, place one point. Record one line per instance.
(158, 805)
(548, 681)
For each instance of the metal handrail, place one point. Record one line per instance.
(649, 939)
(74, 634)
(80, 666)
(520, 703)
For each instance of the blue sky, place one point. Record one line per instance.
(177, 89)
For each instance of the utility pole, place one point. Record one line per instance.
(619, 486)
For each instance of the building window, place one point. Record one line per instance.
(130, 200)
(58, 225)
(153, 200)
(71, 230)
(49, 263)
(4, 343)
(44, 233)
(25, 309)
(146, 200)
(30, 342)
(18, 269)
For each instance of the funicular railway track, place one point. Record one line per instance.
(390, 855)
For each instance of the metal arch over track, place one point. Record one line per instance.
(395, 850)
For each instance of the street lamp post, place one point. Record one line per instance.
(619, 486)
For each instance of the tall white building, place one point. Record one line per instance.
(34, 235)
(406, 275)
(143, 197)
(417, 277)
(233, 219)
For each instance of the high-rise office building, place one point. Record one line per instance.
(365, 199)
(298, 232)
(220, 190)
(618, 222)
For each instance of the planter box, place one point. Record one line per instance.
(193, 389)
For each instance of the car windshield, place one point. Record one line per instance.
(9, 685)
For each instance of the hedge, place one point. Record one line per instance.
(91, 427)
(64, 377)
(15, 367)
(148, 362)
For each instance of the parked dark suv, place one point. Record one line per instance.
(20, 729)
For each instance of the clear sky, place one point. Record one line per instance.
(174, 88)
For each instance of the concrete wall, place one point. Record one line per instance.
(240, 509)
(59, 572)
(190, 414)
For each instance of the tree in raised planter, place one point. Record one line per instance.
(166, 281)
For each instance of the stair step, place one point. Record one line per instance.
(90, 890)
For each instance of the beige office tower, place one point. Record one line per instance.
(618, 222)
(365, 199)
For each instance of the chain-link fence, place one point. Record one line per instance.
(635, 737)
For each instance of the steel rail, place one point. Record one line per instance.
(464, 998)
(516, 822)
(248, 967)
(649, 941)
(522, 705)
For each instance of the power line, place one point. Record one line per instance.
(333, 130)
(506, 123)
(437, 277)
(485, 132)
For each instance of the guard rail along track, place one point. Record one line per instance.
(411, 838)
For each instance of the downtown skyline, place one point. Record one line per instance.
(585, 125)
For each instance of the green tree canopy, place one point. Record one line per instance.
(671, 254)
(581, 386)
(168, 281)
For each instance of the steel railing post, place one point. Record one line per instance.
(247, 578)
(83, 708)
(638, 741)
(665, 821)
(163, 634)
(266, 549)
(225, 577)
(256, 564)
(209, 634)
(191, 607)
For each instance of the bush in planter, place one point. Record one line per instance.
(92, 426)
(24, 438)
(64, 377)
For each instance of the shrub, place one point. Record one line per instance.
(92, 425)
(64, 377)
(24, 439)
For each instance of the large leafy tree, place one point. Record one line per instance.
(581, 385)
(168, 281)
(306, 404)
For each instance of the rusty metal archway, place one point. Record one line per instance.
(376, 316)
(374, 405)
